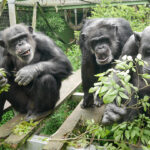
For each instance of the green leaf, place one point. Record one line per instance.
(100, 75)
(146, 76)
(93, 89)
(141, 63)
(133, 70)
(128, 88)
(146, 98)
(127, 134)
(119, 66)
(146, 132)
(123, 95)
(98, 84)
(118, 100)
(104, 89)
(127, 78)
(117, 138)
(110, 96)
(131, 64)
(133, 133)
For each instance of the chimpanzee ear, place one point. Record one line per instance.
(137, 38)
(30, 29)
(83, 36)
(2, 43)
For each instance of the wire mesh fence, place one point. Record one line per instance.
(4, 20)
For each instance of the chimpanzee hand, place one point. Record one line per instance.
(113, 114)
(3, 80)
(25, 75)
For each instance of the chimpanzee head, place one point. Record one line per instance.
(102, 40)
(143, 44)
(18, 42)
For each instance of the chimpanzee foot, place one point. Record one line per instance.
(85, 105)
(36, 116)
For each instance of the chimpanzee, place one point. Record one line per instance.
(1, 50)
(138, 43)
(101, 41)
(35, 67)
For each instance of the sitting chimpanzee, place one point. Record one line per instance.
(138, 43)
(101, 41)
(35, 67)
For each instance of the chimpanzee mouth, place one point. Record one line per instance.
(102, 61)
(26, 53)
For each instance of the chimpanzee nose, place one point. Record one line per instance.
(102, 56)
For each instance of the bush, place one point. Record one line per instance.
(138, 16)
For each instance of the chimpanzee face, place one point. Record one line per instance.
(102, 40)
(101, 46)
(18, 42)
(104, 45)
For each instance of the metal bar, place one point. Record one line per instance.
(93, 5)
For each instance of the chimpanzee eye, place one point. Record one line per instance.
(94, 43)
(104, 40)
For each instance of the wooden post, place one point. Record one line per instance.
(12, 12)
(75, 13)
(34, 16)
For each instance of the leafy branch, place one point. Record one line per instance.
(114, 84)
(6, 87)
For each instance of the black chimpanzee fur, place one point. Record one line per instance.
(101, 41)
(138, 43)
(35, 67)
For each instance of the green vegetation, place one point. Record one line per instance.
(116, 137)
(138, 16)
(57, 24)
(6, 87)
(137, 131)
(124, 135)
(108, 89)
(2, 148)
(74, 55)
(6, 116)
(24, 127)
(58, 117)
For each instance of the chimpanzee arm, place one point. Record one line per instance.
(53, 61)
